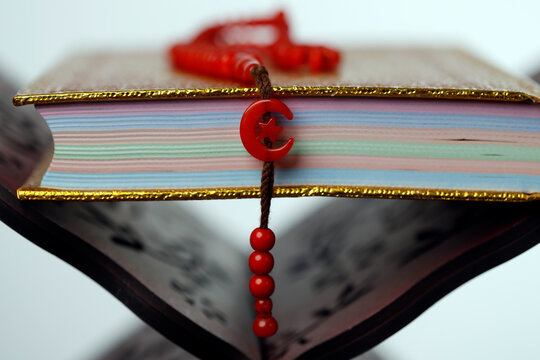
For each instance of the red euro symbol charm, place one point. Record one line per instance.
(251, 120)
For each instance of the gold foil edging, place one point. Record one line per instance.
(429, 93)
(279, 191)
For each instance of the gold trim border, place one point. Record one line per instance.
(29, 193)
(461, 94)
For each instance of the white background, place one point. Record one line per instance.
(49, 310)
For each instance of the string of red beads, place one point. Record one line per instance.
(228, 51)
(261, 285)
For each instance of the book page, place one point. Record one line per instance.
(348, 264)
(24, 139)
(173, 255)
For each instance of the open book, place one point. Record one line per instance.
(350, 275)
(417, 123)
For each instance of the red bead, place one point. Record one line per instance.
(215, 61)
(265, 326)
(261, 286)
(262, 239)
(263, 306)
(243, 62)
(261, 263)
(331, 58)
(316, 60)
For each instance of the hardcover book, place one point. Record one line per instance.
(417, 123)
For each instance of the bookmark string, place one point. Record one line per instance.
(263, 83)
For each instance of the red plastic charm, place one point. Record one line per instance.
(251, 120)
